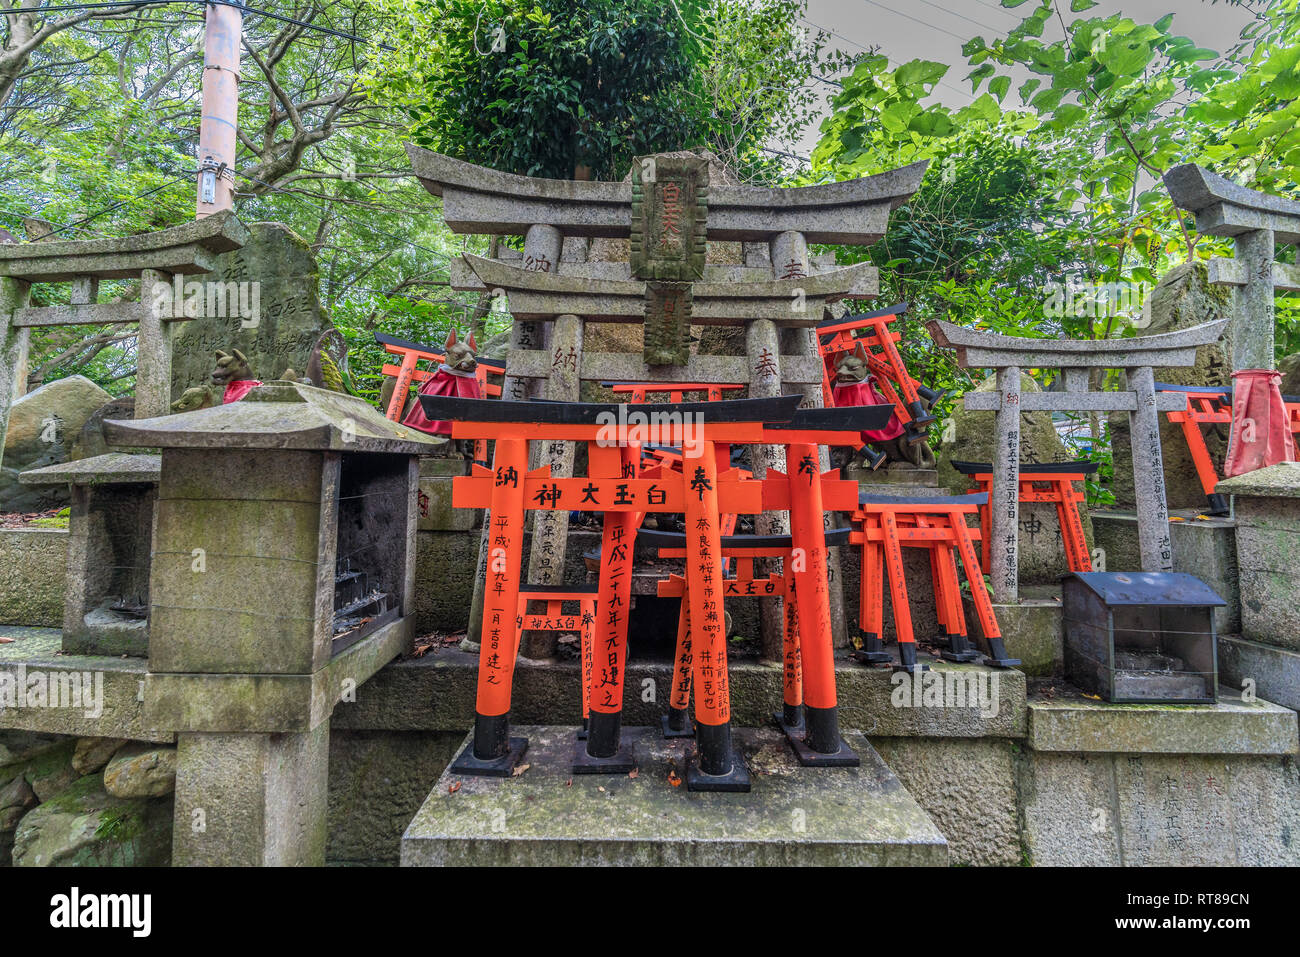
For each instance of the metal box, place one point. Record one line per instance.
(1141, 636)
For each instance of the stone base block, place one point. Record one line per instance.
(1031, 631)
(1275, 671)
(793, 815)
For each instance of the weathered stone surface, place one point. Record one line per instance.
(1204, 546)
(141, 771)
(51, 771)
(16, 799)
(86, 826)
(793, 815)
(33, 566)
(1031, 631)
(1268, 553)
(972, 437)
(968, 789)
(262, 798)
(91, 442)
(92, 754)
(18, 746)
(436, 692)
(120, 713)
(377, 781)
(1182, 298)
(1143, 810)
(43, 425)
(290, 316)
(436, 513)
(1070, 722)
(188, 248)
(444, 580)
(1273, 672)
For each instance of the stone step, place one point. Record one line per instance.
(793, 816)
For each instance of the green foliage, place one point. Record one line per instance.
(563, 89)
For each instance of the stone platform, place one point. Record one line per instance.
(793, 815)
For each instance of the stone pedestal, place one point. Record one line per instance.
(793, 815)
(282, 578)
(251, 800)
(1266, 506)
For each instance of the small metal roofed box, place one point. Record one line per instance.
(1141, 636)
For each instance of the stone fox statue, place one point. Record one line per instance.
(854, 385)
(455, 377)
(231, 379)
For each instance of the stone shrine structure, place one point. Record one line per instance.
(702, 253)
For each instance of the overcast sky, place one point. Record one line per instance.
(936, 29)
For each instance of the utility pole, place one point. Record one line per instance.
(217, 129)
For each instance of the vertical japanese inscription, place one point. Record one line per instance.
(704, 587)
(669, 216)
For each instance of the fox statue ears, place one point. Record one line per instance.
(221, 355)
(860, 352)
(451, 341)
(238, 355)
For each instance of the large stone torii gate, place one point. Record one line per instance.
(674, 213)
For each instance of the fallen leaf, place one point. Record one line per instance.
(1094, 697)
(519, 769)
(453, 788)
(600, 789)
(569, 783)
(674, 780)
(634, 773)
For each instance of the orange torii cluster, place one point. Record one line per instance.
(617, 486)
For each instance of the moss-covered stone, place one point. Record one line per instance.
(33, 572)
(86, 826)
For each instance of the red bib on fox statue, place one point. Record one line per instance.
(455, 377)
(855, 386)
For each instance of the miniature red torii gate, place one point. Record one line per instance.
(614, 487)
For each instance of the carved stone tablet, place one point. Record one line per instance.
(670, 196)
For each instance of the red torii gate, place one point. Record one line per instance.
(835, 337)
(614, 487)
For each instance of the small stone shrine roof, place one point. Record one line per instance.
(277, 415)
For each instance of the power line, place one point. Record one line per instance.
(963, 16)
(947, 86)
(928, 26)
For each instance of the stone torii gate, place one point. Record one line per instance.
(1076, 357)
(1257, 222)
(673, 212)
(153, 258)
